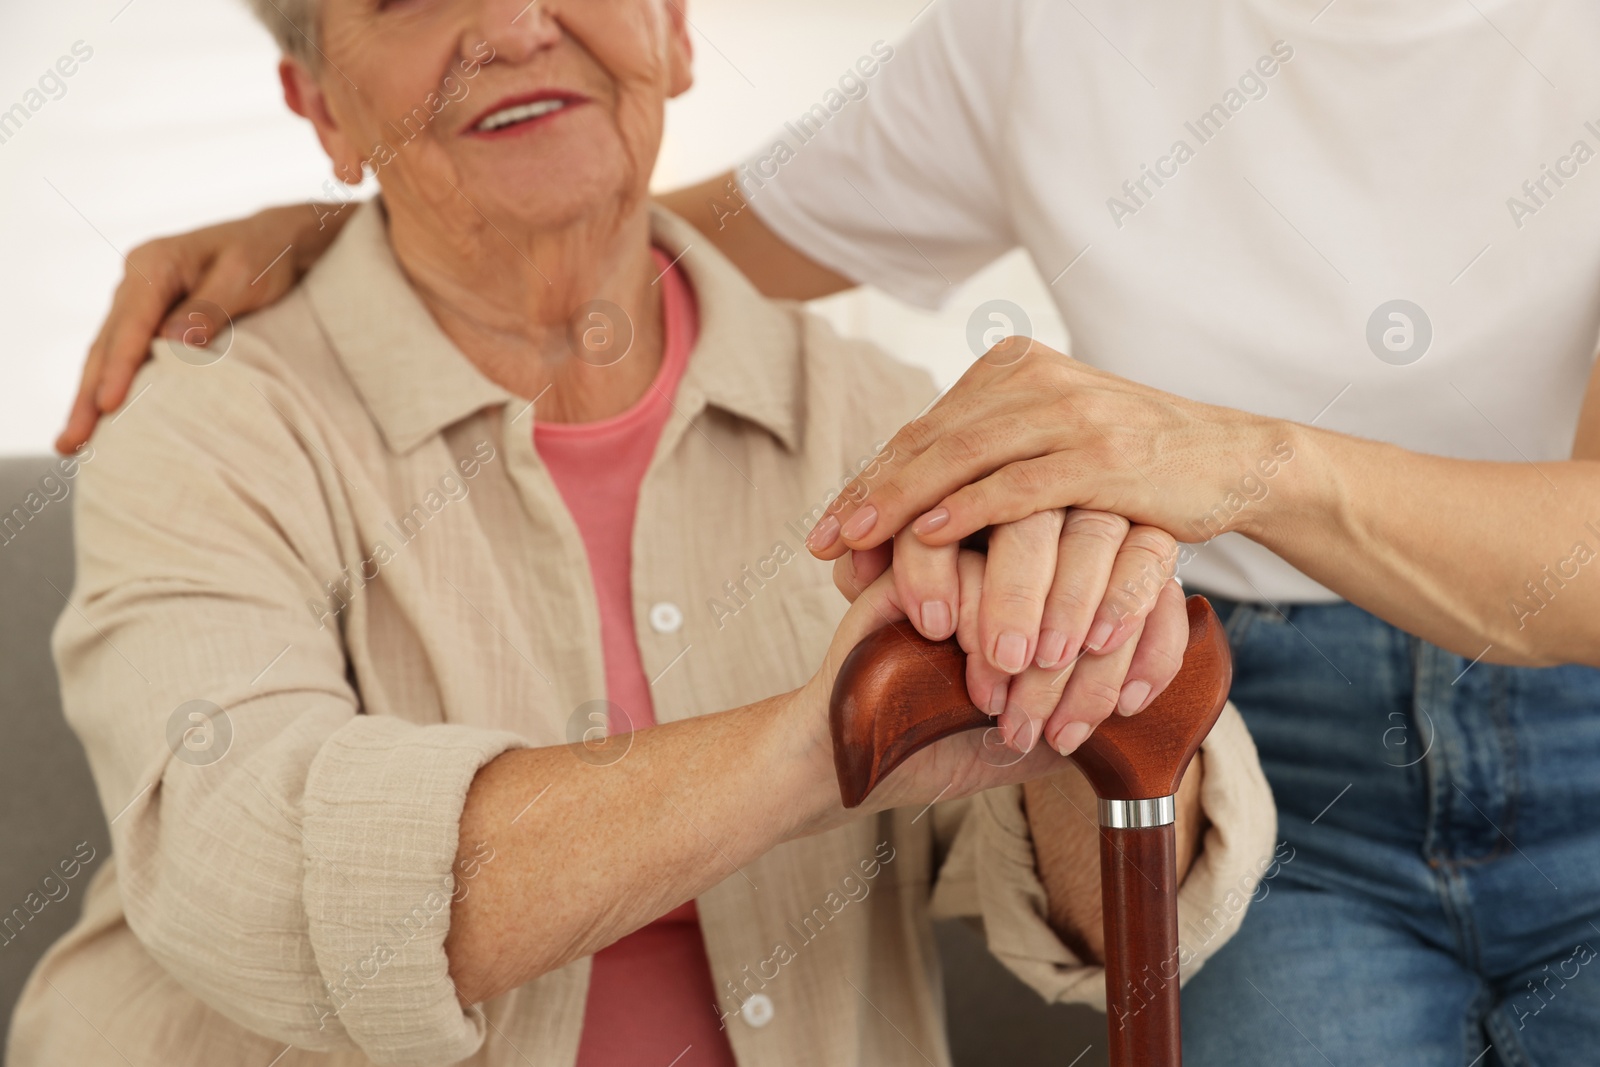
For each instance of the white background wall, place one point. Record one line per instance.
(176, 121)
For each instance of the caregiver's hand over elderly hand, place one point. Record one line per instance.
(1028, 428)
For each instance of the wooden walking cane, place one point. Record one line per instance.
(898, 692)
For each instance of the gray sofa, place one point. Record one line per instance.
(48, 806)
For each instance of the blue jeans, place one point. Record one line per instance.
(1439, 900)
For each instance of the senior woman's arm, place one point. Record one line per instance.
(696, 799)
(1484, 559)
(584, 858)
(321, 870)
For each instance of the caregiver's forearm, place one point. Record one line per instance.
(777, 268)
(584, 853)
(1497, 559)
(1586, 442)
(1064, 822)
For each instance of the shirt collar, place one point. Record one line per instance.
(747, 360)
(415, 382)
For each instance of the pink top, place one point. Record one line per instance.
(651, 996)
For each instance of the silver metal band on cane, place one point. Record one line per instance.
(1138, 814)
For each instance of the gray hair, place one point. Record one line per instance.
(293, 24)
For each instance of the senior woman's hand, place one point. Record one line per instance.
(1027, 428)
(1113, 618)
(956, 766)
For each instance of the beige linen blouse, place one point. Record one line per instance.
(324, 578)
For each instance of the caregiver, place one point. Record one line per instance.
(1358, 244)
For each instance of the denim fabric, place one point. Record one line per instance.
(1439, 900)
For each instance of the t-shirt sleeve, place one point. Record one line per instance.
(897, 178)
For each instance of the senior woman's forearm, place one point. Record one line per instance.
(587, 852)
(1494, 559)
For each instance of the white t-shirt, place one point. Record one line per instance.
(1241, 188)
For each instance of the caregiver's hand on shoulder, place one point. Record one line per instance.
(1026, 429)
(1114, 622)
(174, 287)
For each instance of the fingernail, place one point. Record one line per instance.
(935, 619)
(930, 522)
(1052, 643)
(1133, 696)
(1098, 636)
(824, 533)
(1011, 653)
(860, 523)
(1070, 736)
(997, 699)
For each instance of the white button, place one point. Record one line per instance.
(757, 1011)
(666, 617)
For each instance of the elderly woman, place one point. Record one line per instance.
(327, 649)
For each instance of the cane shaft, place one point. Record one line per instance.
(1139, 893)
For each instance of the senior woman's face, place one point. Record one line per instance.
(545, 111)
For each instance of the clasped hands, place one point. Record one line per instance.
(1074, 613)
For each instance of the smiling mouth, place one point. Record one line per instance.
(520, 113)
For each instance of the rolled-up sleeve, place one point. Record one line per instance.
(992, 873)
(286, 858)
